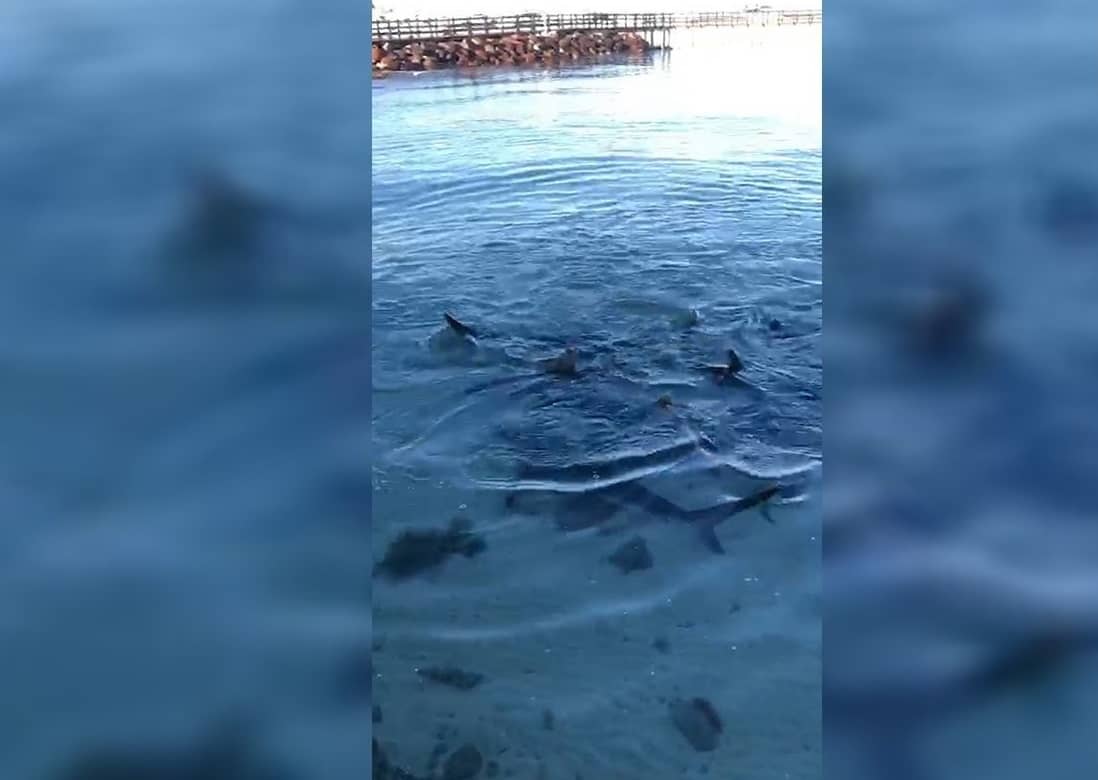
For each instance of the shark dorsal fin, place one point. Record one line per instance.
(458, 326)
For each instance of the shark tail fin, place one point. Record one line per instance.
(707, 531)
(707, 520)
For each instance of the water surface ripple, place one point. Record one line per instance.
(594, 208)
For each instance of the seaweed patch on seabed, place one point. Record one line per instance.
(419, 550)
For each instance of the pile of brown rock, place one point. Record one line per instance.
(514, 49)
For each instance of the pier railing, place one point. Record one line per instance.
(455, 27)
(747, 18)
(617, 22)
(406, 30)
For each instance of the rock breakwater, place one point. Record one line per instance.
(514, 49)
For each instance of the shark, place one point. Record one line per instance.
(577, 505)
(587, 493)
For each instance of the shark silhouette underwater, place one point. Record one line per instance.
(568, 492)
(578, 505)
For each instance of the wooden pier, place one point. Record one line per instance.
(656, 28)
(747, 18)
(408, 30)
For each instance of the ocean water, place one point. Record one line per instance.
(961, 598)
(184, 426)
(594, 208)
